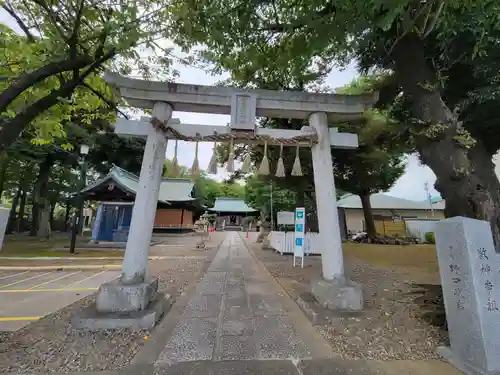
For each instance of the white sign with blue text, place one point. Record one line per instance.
(300, 221)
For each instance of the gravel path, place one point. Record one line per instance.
(51, 345)
(387, 329)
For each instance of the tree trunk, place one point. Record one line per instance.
(13, 211)
(40, 203)
(34, 219)
(44, 228)
(66, 216)
(371, 231)
(5, 164)
(312, 224)
(465, 177)
(52, 209)
(22, 208)
(34, 214)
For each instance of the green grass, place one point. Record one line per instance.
(30, 247)
(422, 257)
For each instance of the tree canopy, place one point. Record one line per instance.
(51, 73)
(420, 44)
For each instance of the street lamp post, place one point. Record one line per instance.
(78, 216)
(272, 213)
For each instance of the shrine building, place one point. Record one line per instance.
(177, 209)
(231, 212)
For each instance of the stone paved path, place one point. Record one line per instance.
(239, 312)
(239, 320)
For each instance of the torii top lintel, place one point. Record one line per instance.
(219, 100)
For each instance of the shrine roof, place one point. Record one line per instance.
(230, 204)
(387, 202)
(171, 189)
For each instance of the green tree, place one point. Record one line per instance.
(65, 47)
(170, 172)
(259, 191)
(377, 164)
(109, 149)
(232, 189)
(207, 190)
(406, 37)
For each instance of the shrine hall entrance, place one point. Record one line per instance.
(233, 214)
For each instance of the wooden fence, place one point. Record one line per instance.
(390, 228)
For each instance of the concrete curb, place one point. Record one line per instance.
(63, 267)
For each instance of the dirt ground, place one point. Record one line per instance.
(390, 327)
(28, 247)
(50, 345)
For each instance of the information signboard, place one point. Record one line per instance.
(286, 218)
(300, 220)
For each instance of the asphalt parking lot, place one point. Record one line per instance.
(27, 296)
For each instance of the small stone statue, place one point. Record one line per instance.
(266, 245)
(264, 230)
(201, 227)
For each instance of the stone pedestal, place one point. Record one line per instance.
(118, 305)
(118, 297)
(470, 278)
(339, 295)
(264, 231)
(265, 245)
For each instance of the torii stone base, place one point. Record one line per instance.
(341, 295)
(118, 305)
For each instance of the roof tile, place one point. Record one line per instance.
(171, 189)
(230, 204)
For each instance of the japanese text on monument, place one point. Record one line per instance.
(457, 280)
(486, 279)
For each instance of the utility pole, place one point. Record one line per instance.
(429, 199)
(78, 216)
(272, 214)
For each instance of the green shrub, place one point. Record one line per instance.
(429, 237)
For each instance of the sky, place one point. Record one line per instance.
(409, 186)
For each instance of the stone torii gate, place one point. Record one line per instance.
(135, 292)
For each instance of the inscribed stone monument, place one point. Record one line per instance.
(470, 279)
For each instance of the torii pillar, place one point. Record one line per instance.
(133, 301)
(334, 291)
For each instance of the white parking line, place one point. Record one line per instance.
(51, 281)
(87, 278)
(16, 274)
(23, 280)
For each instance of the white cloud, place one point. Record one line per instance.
(411, 184)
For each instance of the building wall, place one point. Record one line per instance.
(168, 217)
(355, 219)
